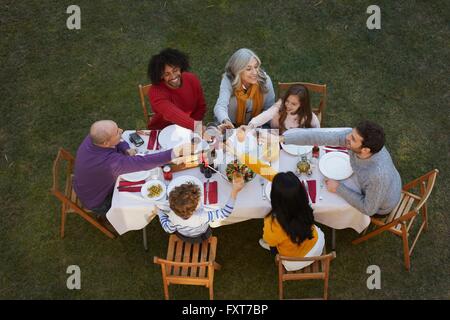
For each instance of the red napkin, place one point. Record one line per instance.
(152, 140)
(124, 183)
(312, 189)
(212, 192)
(129, 189)
(340, 149)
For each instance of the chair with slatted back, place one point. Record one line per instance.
(63, 190)
(146, 109)
(318, 270)
(190, 264)
(413, 202)
(320, 89)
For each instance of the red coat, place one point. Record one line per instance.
(179, 106)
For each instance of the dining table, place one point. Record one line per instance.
(131, 211)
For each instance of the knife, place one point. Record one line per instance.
(221, 174)
(207, 191)
(305, 183)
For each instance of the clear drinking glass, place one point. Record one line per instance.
(155, 173)
(213, 132)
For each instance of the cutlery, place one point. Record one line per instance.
(335, 149)
(305, 183)
(129, 187)
(156, 141)
(261, 182)
(207, 192)
(167, 189)
(220, 173)
(143, 132)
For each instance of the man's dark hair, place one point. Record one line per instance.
(171, 57)
(372, 134)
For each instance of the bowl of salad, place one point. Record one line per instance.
(237, 167)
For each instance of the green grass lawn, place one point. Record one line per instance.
(55, 82)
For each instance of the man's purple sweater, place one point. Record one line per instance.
(97, 169)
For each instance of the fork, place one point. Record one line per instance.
(261, 182)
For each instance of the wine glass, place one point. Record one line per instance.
(212, 132)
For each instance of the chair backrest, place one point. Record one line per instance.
(318, 270)
(67, 194)
(321, 89)
(63, 190)
(143, 95)
(414, 193)
(187, 263)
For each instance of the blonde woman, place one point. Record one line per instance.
(245, 91)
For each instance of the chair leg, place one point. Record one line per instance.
(425, 218)
(89, 219)
(375, 232)
(280, 281)
(365, 237)
(63, 220)
(144, 236)
(405, 247)
(325, 290)
(211, 292)
(280, 289)
(333, 239)
(166, 290)
(422, 227)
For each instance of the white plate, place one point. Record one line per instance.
(135, 176)
(148, 184)
(174, 135)
(184, 179)
(295, 149)
(335, 165)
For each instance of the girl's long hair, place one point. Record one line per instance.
(291, 208)
(304, 112)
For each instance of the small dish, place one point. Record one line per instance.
(153, 190)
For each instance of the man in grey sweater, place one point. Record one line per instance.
(372, 165)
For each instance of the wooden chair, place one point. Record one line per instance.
(69, 200)
(400, 220)
(320, 89)
(143, 95)
(190, 264)
(319, 270)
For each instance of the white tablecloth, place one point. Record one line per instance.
(130, 211)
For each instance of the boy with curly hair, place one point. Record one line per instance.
(188, 219)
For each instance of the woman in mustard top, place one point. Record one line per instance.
(289, 228)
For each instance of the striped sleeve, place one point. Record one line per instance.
(165, 222)
(223, 213)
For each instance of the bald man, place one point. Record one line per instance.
(102, 157)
